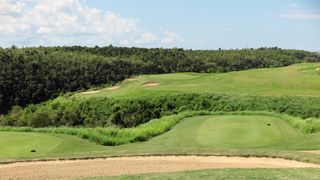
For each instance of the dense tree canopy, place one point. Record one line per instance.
(32, 75)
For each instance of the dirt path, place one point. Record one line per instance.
(136, 165)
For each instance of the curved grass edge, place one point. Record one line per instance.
(112, 136)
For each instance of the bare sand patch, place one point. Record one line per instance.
(132, 79)
(113, 88)
(151, 84)
(71, 169)
(318, 69)
(90, 92)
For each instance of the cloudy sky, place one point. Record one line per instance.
(196, 24)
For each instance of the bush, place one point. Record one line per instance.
(102, 112)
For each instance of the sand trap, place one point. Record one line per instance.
(136, 165)
(113, 88)
(318, 69)
(150, 84)
(90, 92)
(132, 79)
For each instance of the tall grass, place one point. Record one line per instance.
(112, 136)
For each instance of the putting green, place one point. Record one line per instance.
(304, 81)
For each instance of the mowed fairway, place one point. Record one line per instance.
(297, 80)
(15, 145)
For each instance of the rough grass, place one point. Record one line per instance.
(295, 80)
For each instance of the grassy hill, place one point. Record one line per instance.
(296, 80)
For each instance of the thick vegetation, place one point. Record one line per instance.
(103, 111)
(32, 75)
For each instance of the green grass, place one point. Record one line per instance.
(300, 79)
(242, 135)
(228, 132)
(16, 145)
(239, 174)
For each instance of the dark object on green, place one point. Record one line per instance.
(269, 124)
(33, 151)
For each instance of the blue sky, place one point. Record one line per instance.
(196, 24)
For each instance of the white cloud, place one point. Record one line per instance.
(294, 5)
(66, 22)
(300, 14)
(9, 6)
(171, 37)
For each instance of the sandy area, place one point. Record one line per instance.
(90, 92)
(132, 79)
(151, 84)
(113, 88)
(318, 69)
(136, 165)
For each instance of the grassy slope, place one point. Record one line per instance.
(219, 135)
(240, 174)
(299, 79)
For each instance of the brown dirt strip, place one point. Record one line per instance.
(151, 85)
(71, 169)
(90, 92)
(132, 79)
(113, 88)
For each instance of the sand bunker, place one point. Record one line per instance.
(73, 169)
(150, 84)
(90, 92)
(318, 69)
(132, 79)
(113, 88)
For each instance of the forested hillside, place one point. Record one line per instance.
(32, 75)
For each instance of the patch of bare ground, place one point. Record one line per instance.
(132, 79)
(90, 92)
(71, 169)
(113, 88)
(150, 84)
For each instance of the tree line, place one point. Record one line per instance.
(33, 75)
